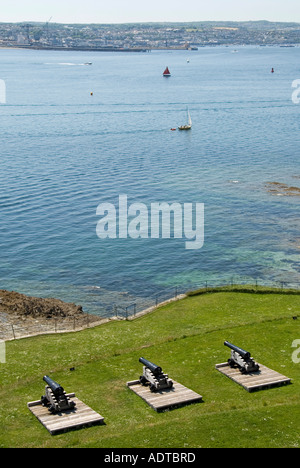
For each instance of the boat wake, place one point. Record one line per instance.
(69, 64)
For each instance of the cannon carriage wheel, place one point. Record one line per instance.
(231, 363)
(143, 380)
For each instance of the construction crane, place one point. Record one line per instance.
(47, 27)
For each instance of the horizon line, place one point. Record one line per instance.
(154, 22)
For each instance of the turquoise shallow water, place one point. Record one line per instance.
(65, 151)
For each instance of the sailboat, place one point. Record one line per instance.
(188, 126)
(167, 72)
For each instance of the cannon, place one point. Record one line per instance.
(154, 376)
(241, 359)
(55, 398)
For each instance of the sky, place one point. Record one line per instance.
(130, 11)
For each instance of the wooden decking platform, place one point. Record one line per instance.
(260, 380)
(81, 416)
(166, 399)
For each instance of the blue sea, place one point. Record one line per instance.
(74, 136)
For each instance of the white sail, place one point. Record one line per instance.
(188, 126)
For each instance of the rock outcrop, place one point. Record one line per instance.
(19, 304)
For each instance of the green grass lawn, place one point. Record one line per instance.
(186, 339)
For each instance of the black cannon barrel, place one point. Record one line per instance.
(242, 352)
(55, 387)
(153, 367)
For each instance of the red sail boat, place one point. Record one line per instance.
(167, 72)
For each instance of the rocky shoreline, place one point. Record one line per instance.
(21, 314)
(12, 302)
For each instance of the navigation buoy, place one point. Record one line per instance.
(272, 71)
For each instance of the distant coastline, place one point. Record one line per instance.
(140, 37)
(100, 49)
(78, 49)
(96, 49)
(132, 49)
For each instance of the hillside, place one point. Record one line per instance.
(147, 35)
(186, 339)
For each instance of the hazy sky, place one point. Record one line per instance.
(128, 11)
